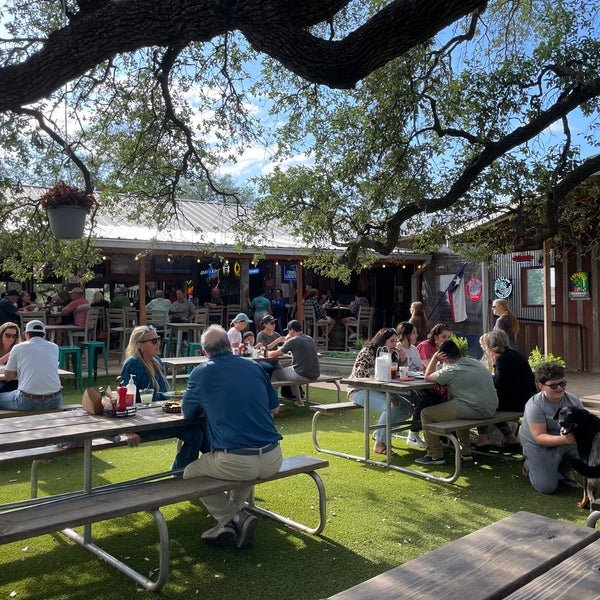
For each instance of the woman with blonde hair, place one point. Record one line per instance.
(142, 361)
(419, 320)
(506, 320)
(513, 380)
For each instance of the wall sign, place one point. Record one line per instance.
(579, 286)
(473, 287)
(503, 287)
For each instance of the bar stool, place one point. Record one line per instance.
(169, 346)
(92, 359)
(193, 348)
(74, 352)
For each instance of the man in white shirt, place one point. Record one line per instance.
(35, 364)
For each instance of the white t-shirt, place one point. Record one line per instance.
(235, 337)
(36, 365)
(414, 359)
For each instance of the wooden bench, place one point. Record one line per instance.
(522, 556)
(7, 413)
(44, 453)
(307, 383)
(51, 514)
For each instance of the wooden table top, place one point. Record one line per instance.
(396, 385)
(31, 431)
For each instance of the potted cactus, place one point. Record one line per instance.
(67, 207)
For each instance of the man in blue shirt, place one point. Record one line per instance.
(239, 403)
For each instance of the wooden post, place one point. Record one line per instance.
(142, 290)
(547, 299)
(299, 292)
(244, 283)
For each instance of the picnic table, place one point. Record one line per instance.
(522, 557)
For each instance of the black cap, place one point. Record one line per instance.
(12, 293)
(295, 325)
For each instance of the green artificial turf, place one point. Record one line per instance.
(376, 519)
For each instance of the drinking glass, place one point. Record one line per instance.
(146, 395)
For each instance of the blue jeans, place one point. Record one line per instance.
(377, 402)
(192, 436)
(15, 401)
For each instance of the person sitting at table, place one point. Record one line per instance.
(305, 359)
(261, 306)
(99, 301)
(438, 334)
(76, 311)
(364, 367)
(268, 337)
(546, 451)
(351, 321)
(243, 438)
(238, 324)
(419, 320)
(159, 302)
(25, 302)
(313, 301)
(249, 343)
(9, 310)
(142, 361)
(183, 310)
(9, 336)
(120, 298)
(513, 379)
(34, 363)
(471, 395)
(215, 298)
(408, 356)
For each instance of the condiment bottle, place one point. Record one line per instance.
(131, 392)
(122, 401)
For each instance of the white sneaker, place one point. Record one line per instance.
(414, 439)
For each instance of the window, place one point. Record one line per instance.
(532, 280)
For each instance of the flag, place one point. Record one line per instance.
(456, 297)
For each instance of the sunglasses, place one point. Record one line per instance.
(557, 386)
(152, 340)
(14, 336)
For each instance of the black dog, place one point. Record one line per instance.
(586, 428)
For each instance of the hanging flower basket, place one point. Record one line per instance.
(67, 207)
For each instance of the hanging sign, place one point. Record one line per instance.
(290, 272)
(503, 287)
(473, 288)
(579, 286)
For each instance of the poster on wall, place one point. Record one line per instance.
(579, 286)
(473, 288)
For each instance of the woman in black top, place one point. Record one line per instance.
(513, 379)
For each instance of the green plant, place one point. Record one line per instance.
(536, 358)
(360, 342)
(62, 194)
(462, 344)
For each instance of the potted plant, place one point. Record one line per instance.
(536, 358)
(67, 207)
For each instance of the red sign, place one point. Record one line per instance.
(522, 258)
(474, 288)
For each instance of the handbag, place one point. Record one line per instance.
(383, 365)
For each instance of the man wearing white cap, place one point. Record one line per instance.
(76, 311)
(35, 364)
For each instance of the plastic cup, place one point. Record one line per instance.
(403, 372)
(394, 370)
(146, 396)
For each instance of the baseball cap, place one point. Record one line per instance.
(241, 317)
(295, 325)
(35, 325)
(268, 319)
(76, 289)
(12, 293)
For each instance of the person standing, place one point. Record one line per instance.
(546, 451)
(305, 359)
(419, 320)
(506, 320)
(34, 363)
(243, 438)
(279, 310)
(261, 306)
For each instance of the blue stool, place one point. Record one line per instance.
(168, 345)
(74, 352)
(92, 359)
(193, 348)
